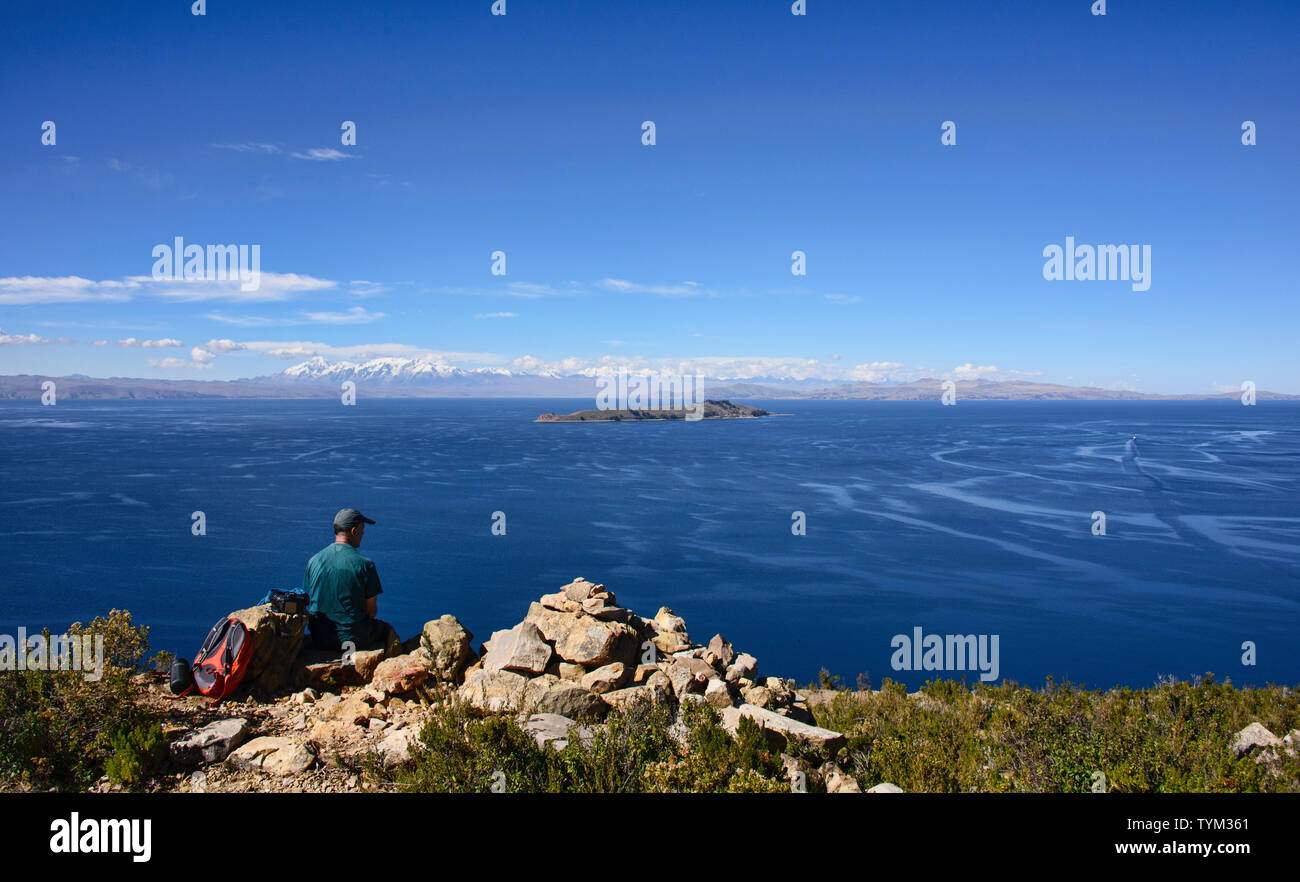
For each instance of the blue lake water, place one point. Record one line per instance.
(974, 519)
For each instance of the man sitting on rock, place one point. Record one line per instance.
(343, 587)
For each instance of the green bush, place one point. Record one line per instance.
(60, 730)
(460, 751)
(136, 752)
(1172, 737)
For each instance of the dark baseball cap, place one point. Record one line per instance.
(349, 518)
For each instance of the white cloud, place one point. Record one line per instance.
(223, 346)
(20, 339)
(843, 298)
(29, 290)
(354, 316)
(249, 147)
(323, 154)
(683, 289)
(881, 372)
(243, 321)
(169, 362)
(164, 343)
(24, 290)
(364, 288)
(526, 290)
(969, 371)
(271, 287)
(489, 315)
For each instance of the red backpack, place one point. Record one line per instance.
(222, 660)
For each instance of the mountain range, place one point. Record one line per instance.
(434, 378)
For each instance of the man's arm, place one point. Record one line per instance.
(373, 590)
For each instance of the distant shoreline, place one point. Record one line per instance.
(30, 387)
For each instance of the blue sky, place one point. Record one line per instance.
(775, 133)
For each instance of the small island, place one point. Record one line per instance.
(713, 410)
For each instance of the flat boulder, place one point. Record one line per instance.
(210, 744)
(549, 695)
(329, 670)
(781, 730)
(274, 756)
(658, 693)
(402, 673)
(493, 690)
(554, 729)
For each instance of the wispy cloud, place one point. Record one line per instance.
(354, 316)
(492, 315)
(250, 147)
(28, 290)
(271, 287)
(243, 321)
(164, 343)
(151, 178)
(525, 290)
(23, 290)
(680, 289)
(324, 154)
(366, 288)
(843, 298)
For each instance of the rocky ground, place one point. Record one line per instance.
(315, 722)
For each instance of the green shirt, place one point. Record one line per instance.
(339, 580)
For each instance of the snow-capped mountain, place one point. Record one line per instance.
(425, 376)
(383, 370)
(419, 374)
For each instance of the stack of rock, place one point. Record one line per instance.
(577, 653)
